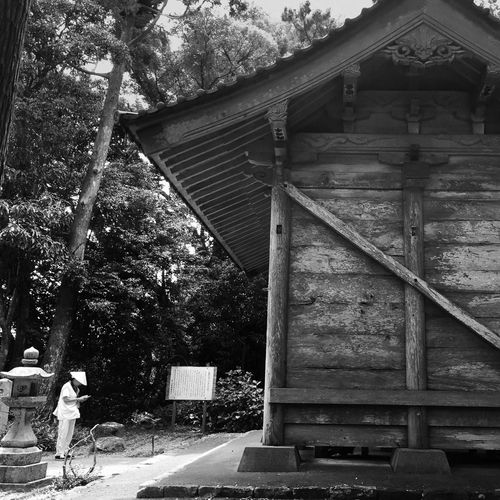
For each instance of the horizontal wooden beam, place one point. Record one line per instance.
(390, 263)
(314, 144)
(468, 399)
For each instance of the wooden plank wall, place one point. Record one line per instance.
(346, 313)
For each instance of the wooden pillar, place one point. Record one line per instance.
(414, 176)
(277, 306)
(279, 250)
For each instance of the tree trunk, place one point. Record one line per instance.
(20, 314)
(8, 308)
(6, 339)
(13, 20)
(65, 306)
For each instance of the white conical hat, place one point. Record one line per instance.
(80, 376)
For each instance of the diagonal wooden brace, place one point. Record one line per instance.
(388, 262)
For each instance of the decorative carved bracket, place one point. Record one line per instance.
(277, 117)
(422, 48)
(350, 91)
(491, 80)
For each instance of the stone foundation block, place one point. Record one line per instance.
(353, 493)
(20, 456)
(31, 485)
(273, 492)
(445, 495)
(236, 492)
(310, 492)
(410, 461)
(209, 491)
(270, 459)
(150, 490)
(387, 494)
(180, 491)
(22, 473)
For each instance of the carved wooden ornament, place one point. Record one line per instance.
(277, 116)
(423, 48)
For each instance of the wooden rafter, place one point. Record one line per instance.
(390, 263)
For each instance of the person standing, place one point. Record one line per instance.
(67, 411)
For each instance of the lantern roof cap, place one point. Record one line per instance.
(28, 371)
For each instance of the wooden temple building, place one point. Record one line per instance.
(363, 173)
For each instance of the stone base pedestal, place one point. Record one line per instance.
(269, 459)
(26, 486)
(20, 468)
(22, 473)
(410, 461)
(20, 456)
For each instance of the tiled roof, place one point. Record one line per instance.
(201, 96)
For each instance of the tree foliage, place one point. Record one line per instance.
(306, 24)
(228, 312)
(152, 288)
(493, 5)
(54, 120)
(13, 17)
(211, 50)
(237, 407)
(131, 319)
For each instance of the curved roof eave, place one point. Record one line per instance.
(199, 143)
(200, 97)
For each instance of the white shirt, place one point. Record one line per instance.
(67, 409)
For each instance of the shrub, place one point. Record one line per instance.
(46, 433)
(144, 418)
(237, 406)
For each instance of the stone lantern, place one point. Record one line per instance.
(20, 458)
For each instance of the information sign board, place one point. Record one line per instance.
(191, 383)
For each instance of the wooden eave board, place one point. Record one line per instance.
(192, 137)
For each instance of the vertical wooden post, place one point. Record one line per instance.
(414, 175)
(204, 418)
(277, 310)
(174, 413)
(277, 302)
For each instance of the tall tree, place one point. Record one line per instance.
(130, 21)
(131, 315)
(13, 17)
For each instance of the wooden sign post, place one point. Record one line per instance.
(191, 383)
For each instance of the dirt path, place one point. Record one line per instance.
(121, 474)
